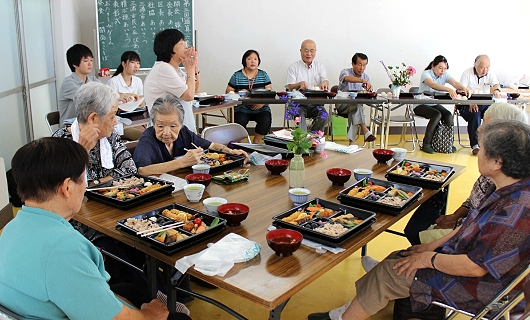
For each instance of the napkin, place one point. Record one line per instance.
(342, 148)
(283, 134)
(259, 159)
(178, 183)
(221, 256)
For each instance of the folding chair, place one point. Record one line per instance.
(456, 116)
(52, 119)
(226, 133)
(499, 306)
(7, 314)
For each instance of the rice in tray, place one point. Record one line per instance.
(141, 224)
(332, 229)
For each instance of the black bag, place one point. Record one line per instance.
(442, 139)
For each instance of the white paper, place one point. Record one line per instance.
(283, 134)
(130, 106)
(178, 183)
(342, 148)
(221, 256)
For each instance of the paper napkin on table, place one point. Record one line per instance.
(342, 148)
(178, 183)
(283, 134)
(221, 256)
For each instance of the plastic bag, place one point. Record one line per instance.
(221, 256)
(259, 159)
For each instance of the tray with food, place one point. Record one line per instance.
(262, 93)
(379, 195)
(262, 148)
(220, 162)
(324, 221)
(172, 227)
(421, 174)
(129, 191)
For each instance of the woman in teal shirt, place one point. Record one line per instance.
(250, 78)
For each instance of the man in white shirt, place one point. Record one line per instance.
(306, 74)
(478, 79)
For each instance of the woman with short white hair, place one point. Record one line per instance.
(96, 105)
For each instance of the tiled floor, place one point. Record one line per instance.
(337, 286)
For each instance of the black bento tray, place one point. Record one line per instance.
(237, 162)
(408, 95)
(166, 189)
(368, 218)
(272, 140)
(261, 93)
(481, 96)
(170, 248)
(370, 203)
(419, 181)
(263, 149)
(315, 94)
(129, 114)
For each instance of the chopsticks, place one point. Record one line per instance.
(104, 188)
(159, 229)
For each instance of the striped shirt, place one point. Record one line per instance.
(239, 81)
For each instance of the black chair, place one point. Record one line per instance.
(52, 119)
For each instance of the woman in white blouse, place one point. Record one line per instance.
(124, 79)
(166, 77)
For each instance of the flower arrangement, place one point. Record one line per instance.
(302, 141)
(292, 110)
(401, 74)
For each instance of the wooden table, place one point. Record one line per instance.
(267, 280)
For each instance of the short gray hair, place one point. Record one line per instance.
(509, 142)
(94, 97)
(506, 111)
(479, 58)
(168, 104)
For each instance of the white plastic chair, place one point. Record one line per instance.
(226, 133)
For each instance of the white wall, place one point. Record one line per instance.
(410, 31)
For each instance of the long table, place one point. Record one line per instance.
(267, 280)
(378, 104)
(144, 119)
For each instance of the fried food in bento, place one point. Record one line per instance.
(178, 215)
(359, 192)
(298, 217)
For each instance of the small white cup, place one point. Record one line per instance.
(399, 154)
(201, 168)
(242, 93)
(194, 191)
(319, 148)
(211, 204)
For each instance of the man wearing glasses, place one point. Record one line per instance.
(308, 74)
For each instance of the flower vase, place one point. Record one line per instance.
(296, 172)
(396, 90)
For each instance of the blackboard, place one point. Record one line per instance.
(125, 25)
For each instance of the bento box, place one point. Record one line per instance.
(380, 195)
(324, 221)
(220, 162)
(421, 174)
(190, 227)
(129, 191)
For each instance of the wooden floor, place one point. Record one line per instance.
(336, 287)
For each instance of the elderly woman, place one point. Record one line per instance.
(466, 268)
(96, 105)
(49, 270)
(252, 78)
(169, 145)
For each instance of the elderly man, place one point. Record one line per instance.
(306, 74)
(355, 79)
(481, 80)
